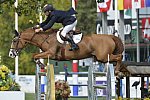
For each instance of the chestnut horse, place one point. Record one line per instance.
(97, 45)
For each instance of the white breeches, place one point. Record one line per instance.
(67, 28)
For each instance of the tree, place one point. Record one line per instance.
(28, 11)
(86, 16)
(2, 1)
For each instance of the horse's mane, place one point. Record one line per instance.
(49, 31)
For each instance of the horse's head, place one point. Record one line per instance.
(16, 45)
(29, 36)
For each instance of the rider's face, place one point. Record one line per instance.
(47, 13)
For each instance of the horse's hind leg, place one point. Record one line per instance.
(118, 59)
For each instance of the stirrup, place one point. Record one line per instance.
(74, 48)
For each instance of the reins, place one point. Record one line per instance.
(44, 39)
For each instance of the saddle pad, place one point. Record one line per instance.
(77, 38)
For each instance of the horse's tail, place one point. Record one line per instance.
(119, 45)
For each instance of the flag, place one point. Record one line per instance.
(104, 6)
(124, 4)
(112, 5)
(76, 2)
(143, 27)
(142, 3)
(146, 27)
(127, 4)
(147, 3)
(136, 3)
(120, 5)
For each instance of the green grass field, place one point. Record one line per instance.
(31, 96)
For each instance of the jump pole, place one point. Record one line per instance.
(50, 82)
(109, 86)
(50, 92)
(38, 84)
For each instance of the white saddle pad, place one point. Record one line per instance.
(77, 38)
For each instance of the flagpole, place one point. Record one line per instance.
(116, 15)
(116, 29)
(40, 17)
(16, 28)
(138, 46)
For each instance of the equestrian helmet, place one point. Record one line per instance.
(48, 7)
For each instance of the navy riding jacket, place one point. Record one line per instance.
(58, 16)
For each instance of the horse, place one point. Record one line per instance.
(98, 46)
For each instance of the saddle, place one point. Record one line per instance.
(77, 36)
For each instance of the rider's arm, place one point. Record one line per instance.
(49, 24)
(45, 22)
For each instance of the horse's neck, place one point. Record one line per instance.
(38, 39)
(41, 39)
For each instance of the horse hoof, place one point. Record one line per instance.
(120, 75)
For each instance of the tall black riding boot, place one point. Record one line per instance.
(73, 45)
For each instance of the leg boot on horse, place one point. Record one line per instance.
(39, 63)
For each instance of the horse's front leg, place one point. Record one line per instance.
(46, 54)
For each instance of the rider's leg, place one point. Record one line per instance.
(74, 46)
(65, 30)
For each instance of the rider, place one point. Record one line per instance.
(66, 18)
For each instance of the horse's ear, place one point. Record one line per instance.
(16, 33)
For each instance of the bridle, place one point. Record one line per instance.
(16, 49)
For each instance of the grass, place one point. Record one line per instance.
(31, 96)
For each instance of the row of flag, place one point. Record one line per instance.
(105, 5)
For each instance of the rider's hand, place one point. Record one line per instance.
(38, 30)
